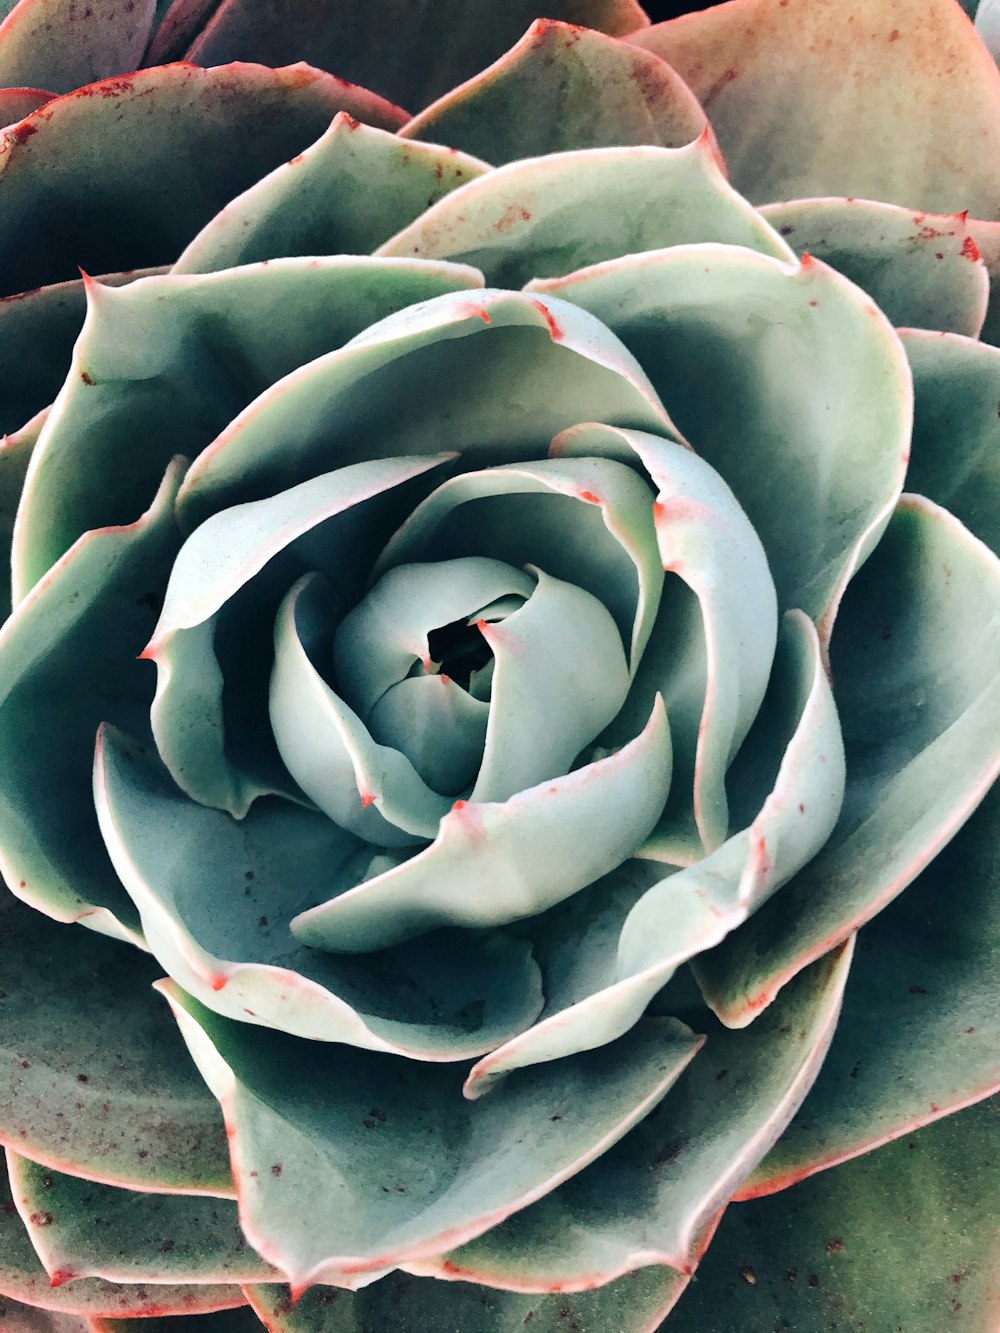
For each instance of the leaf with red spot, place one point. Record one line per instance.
(60, 44)
(882, 99)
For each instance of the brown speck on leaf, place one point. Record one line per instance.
(748, 1276)
(834, 1246)
(85, 377)
(723, 1073)
(918, 990)
(83, 1078)
(41, 1219)
(791, 1274)
(813, 1280)
(276, 1169)
(555, 1117)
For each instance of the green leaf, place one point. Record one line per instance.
(144, 197)
(434, 44)
(524, 854)
(216, 895)
(904, 1238)
(15, 457)
(512, 369)
(806, 104)
(350, 1163)
(563, 87)
(345, 194)
(170, 361)
(213, 642)
(42, 325)
(18, 1318)
(53, 44)
(634, 1304)
(605, 960)
(653, 1197)
(83, 1229)
(68, 654)
(920, 1029)
(719, 329)
(921, 269)
(914, 660)
(23, 1278)
(547, 216)
(956, 431)
(86, 1045)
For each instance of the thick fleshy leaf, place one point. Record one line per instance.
(496, 862)
(15, 456)
(806, 99)
(372, 790)
(216, 895)
(653, 1197)
(434, 44)
(87, 1045)
(920, 1030)
(905, 1238)
(713, 679)
(43, 325)
(914, 660)
(81, 1229)
(345, 194)
(144, 199)
(18, 103)
(171, 360)
(604, 960)
(986, 236)
(386, 635)
(546, 216)
(563, 87)
(956, 431)
(508, 370)
(242, 1319)
(636, 1303)
(921, 269)
(608, 548)
(210, 740)
(18, 1318)
(718, 327)
(56, 44)
(69, 655)
(23, 1278)
(351, 1167)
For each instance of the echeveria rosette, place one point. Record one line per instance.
(520, 556)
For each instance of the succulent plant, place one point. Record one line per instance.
(503, 604)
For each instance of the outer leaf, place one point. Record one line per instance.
(81, 1229)
(23, 1278)
(170, 361)
(15, 456)
(653, 1198)
(563, 87)
(86, 1044)
(345, 194)
(906, 1238)
(634, 1304)
(718, 327)
(806, 98)
(956, 430)
(920, 757)
(345, 1170)
(920, 1030)
(42, 325)
(435, 44)
(921, 269)
(18, 1318)
(17, 103)
(69, 655)
(56, 44)
(216, 896)
(144, 199)
(546, 216)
